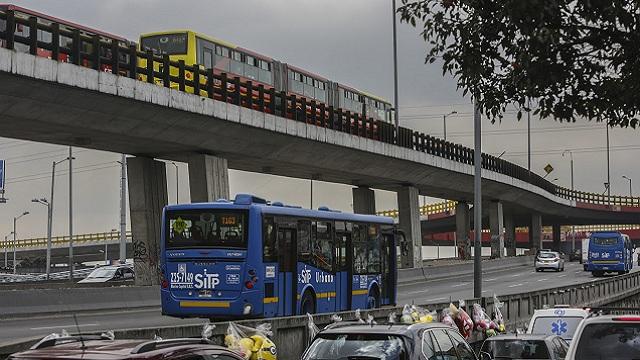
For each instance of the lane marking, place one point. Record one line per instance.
(515, 285)
(436, 299)
(61, 326)
(494, 279)
(562, 275)
(461, 284)
(515, 275)
(543, 279)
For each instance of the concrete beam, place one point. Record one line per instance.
(510, 234)
(364, 200)
(208, 178)
(496, 225)
(463, 228)
(555, 231)
(147, 197)
(409, 223)
(535, 232)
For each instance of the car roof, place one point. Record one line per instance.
(612, 319)
(561, 312)
(395, 329)
(106, 349)
(521, 337)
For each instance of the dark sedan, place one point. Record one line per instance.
(530, 346)
(433, 341)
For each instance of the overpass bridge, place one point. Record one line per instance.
(232, 123)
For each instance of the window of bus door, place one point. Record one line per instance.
(322, 245)
(206, 229)
(237, 66)
(222, 58)
(264, 72)
(170, 44)
(269, 241)
(366, 248)
(309, 90)
(304, 241)
(321, 93)
(250, 68)
(343, 235)
(295, 82)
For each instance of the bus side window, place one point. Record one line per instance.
(269, 246)
(304, 232)
(322, 245)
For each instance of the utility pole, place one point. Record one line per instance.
(48, 204)
(573, 227)
(177, 183)
(123, 206)
(395, 67)
(15, 220)
(630, 188)
(70, 213)
(444, 123)
(608, 163)
(529, 136)
(477, 200)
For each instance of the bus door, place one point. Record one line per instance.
(287, 277)
(344, 254)
(389, 265)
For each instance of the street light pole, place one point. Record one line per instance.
(6, 241)
(49, 205)
(608, 163)
(529, 136)
(477, 201)
(444, 123)
(573, 228)
(15, 219)
(630, 188)
(177, 183)
(395, 66)
(70, 213)
(123, 212)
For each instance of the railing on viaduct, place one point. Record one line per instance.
(57, 241)
(100, 54)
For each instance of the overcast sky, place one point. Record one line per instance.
(346, 41)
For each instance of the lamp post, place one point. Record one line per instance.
(444, 123)
(70, 158)
(6, 260)
(630, 188)
(573, 228)
(123, 205)
(177, 183)
(15, 219)
(50, 211)
(46, 203)
(395, 65)
(608, 163)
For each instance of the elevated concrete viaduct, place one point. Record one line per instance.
(60, 103)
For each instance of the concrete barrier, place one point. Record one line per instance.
(460, 269)
(18, 303)
(291, 334)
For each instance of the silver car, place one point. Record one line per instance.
(549, 260)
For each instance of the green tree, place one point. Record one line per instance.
(574, 58)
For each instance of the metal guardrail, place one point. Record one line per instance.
(100, 53)
(64, 240)
(20, 278)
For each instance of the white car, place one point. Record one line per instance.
(611, 337)
(549, 260)
(561, 321)
(109, 273)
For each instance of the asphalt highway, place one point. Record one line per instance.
(502, 282)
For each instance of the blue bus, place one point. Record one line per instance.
(249, 258)
(609, 251)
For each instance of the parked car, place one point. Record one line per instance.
(93, 347)
(561, 320)
(549, 260)
(539, 347)
(611, 337)
(390, 342)
(109, 273)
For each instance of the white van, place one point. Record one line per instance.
(561, 321)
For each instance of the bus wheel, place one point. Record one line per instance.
(307, 304)
(373, 301)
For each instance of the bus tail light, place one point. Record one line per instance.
(164, 283)
(627, 318)
(248, 285)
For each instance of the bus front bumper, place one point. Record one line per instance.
(243, 306)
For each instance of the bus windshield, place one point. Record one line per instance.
(605, 241)
(170, 44)
(206, 229)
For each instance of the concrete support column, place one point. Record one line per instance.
(496, 225)
(364, 200)
(510, 234)
(555, 231)
(208, 178)
(409, 222)
(147, 196)
(463, 227)
(535, 232)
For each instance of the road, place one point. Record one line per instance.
(501, 282)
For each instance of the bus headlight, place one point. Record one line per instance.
(247, 309)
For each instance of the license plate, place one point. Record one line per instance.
(204, 293)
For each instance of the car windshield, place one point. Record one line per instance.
(547, 255)
(612, 341)
(102, 273)
(564, 327)
(605, 241)
(360, 346)
(170, 44)
(517, 349)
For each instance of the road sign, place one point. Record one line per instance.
(548, 168)
(2, 172)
